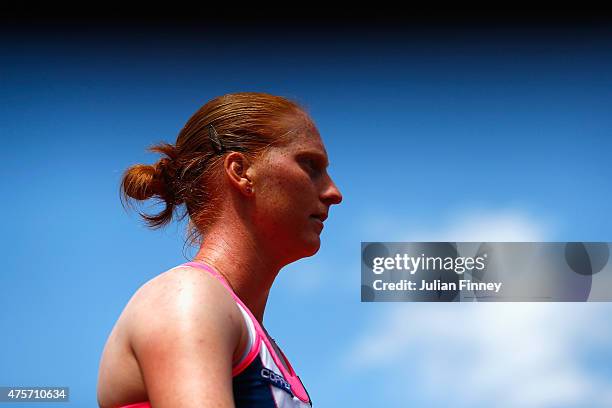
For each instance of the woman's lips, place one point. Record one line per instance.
(317, 221)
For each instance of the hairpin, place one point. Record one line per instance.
(215, 140)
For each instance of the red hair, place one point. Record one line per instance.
(189, 172)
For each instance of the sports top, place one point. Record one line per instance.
(259, 378)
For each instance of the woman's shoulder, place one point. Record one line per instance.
(178, 283)
(178, 324)
(178, 298)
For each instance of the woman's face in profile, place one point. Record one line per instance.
(293, 194)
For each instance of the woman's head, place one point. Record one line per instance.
(243, 145)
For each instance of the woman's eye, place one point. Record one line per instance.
(311, 166)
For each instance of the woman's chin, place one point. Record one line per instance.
(313, 246)
(308, 247)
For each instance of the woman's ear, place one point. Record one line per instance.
(236, 166)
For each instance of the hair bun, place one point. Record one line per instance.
(142, 182)
(165, 180)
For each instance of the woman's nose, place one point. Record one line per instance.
(332, 194)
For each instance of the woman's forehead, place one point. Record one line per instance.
(301, 135)
(306, 141)
(298, 145)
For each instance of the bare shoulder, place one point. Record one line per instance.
(181, 298)
(183, 326)
(177, 325)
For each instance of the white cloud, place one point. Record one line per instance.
(492, 226)
(488, 354)
(476, 225)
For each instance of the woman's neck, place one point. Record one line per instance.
(234, 253)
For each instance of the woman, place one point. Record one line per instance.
(250, 170)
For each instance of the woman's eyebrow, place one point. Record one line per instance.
(320, 157)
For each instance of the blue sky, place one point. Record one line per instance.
(432, 135)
